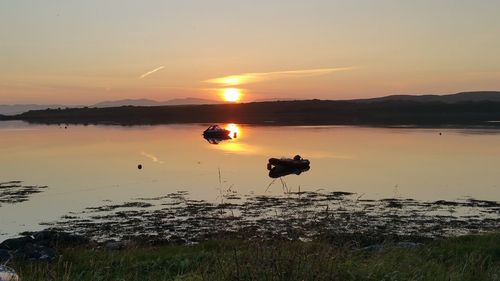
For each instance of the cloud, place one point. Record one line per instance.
(152, 71)
(247, 78)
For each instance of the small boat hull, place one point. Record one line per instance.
(218, 135)
(302, 163)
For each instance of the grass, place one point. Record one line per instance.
(463, 258)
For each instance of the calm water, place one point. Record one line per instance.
(87, 165)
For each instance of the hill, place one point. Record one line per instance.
(306, 112)
(20, 108)
(452, 98)
(148, 102)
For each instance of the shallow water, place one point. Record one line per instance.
(85, 166)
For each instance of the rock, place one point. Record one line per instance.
(35, 252)
(5, 256)
(52, 238)
(117, 245)
(8, 274)
(380, 247)
(376, 248)
(37, 246)
(16, 243)
(406, 244)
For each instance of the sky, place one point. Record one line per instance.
(83, 52)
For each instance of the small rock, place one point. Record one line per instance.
(406, 244)
(117, 245)
(139, 166)
(376, 248)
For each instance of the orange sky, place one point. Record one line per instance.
(88, 51)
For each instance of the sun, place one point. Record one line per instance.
(232, 94)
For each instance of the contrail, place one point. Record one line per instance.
(247, 78)
(152, 71)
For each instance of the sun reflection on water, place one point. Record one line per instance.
(234, 129)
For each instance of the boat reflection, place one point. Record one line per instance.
(216, 140)
(281, 171)
(216, 134)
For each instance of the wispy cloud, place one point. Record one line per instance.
(152, 71)
(247, 78)
(152, 157)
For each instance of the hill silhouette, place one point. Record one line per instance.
(306, 112)
(21, 108)
(148, 102)
(451, 98)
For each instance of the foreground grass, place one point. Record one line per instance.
(463, 258)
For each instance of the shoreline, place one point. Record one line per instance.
(302, 216)
(397, 238)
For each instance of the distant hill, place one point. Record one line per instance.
(453, 98)
(20, 108)
(187, 101)
(124, 102)
(148, 102)
(274, 99)
(479, 96)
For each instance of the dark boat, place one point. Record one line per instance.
(215, 131)
(279, 167)
(215, 134)
(296, 162)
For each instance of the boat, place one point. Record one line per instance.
(216, 132)
(295, 162)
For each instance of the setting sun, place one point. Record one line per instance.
(232, 94)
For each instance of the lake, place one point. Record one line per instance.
(84, 166)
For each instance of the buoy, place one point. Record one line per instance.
(139, 166)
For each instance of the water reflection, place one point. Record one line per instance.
(234, 130)
(216, 140)
(281, 171)
(368, 161)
